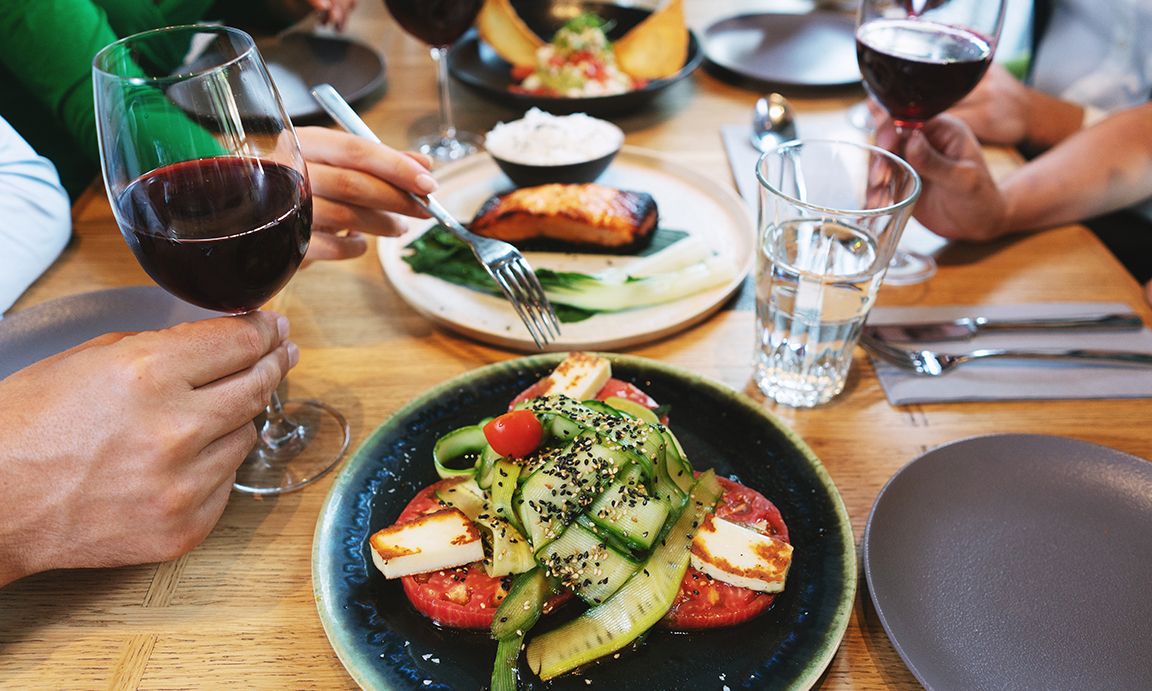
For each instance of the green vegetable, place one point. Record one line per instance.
(636, 607)
(457, 452)
(509, 551)
(586, 564)
(577, 296)
(517, 613)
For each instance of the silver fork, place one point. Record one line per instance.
(934, 364)
(502, 261)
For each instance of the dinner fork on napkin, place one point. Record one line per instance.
(1007, 379)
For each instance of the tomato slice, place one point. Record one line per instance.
(514, 434)
(613, 387)
(621, 389)
(462, 598)
(705, 603)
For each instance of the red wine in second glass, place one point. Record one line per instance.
(435, 22)
(223, 233)
(918, 69)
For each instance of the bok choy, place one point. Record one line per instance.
(683, 268)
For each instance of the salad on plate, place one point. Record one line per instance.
(580, 499)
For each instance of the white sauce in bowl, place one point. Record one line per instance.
(543, 139)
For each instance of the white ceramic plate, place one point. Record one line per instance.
(687, 201)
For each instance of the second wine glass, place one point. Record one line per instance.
(439, 23)
(209, 187)
(918, 58)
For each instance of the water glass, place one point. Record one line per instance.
(831, 214)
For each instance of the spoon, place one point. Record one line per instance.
(773, 122)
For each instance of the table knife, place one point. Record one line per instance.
(965, 328)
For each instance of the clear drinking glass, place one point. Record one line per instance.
(208, 186)
(918, 58)
(831, 215)
(439, 23)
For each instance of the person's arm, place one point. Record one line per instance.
(1001, 110)
(37, 217)
(48, 45)
(123, 450)
(1097, 170)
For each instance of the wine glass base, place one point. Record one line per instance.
(316, 443)
(444, 149)
(908, 268)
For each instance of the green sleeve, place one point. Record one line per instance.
(48, 46)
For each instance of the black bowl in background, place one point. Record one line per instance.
(474, 63)
(527, 175)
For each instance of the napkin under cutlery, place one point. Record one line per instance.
(1001, 380)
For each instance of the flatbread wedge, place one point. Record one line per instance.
(656, 47)
(506, 32)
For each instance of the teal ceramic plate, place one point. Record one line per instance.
(385, 644)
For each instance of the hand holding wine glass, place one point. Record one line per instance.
(918, 58)
(209, 187)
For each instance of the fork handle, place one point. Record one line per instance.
(438, 212)
(1074, 354)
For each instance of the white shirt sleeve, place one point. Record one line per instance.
(35, 215)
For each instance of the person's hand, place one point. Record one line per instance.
(958, 198)
(998, 109)
(123, 450)
(358, 187)
(1001, 110)
(334, 12)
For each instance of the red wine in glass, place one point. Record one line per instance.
(439, 23)
(435, 22)
(918, 69)
(210, 190)
(225, 233)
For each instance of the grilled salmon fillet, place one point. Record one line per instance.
(586, 216)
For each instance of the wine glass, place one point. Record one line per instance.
(208, 186)
(439, 23)
(918, 58)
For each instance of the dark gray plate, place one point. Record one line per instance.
(817, 49)
(1016, 562)
(385, 644)
(36, 333)
(300, 61)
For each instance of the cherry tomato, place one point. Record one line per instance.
(515, 434)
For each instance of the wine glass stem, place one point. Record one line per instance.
(904, 132)
(277, 429)
(447, 126)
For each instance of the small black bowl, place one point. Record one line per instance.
(526, 175)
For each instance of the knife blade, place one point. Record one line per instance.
(965, 328)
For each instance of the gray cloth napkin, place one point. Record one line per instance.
(1001, 380)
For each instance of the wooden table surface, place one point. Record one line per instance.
(239, 609)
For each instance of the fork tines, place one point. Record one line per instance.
(524, 291)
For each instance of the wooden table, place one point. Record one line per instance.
(239, 609)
